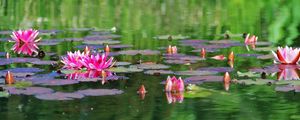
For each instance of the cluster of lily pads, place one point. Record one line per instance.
(91, 65)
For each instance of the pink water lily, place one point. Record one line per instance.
(250, 39)
(287, 55)
(174, 85)
(72, 60)
(96, 62)
(25, 41)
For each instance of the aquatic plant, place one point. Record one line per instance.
(72, 60)
(174, 85)
(287, 55)
(9, 78)
(175, 97)
(96, 62)
(251, 39)
(25, 41)
(288, 72)
(172, 49)
(226, 81)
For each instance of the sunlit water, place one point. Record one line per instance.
(137, 22)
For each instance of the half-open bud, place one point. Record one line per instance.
(9, 78)
(107, 49)
(203, 52)
(231, 56)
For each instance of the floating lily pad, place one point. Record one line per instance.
(5, 32)
(256, 82)
(142, 52)
(197, 92)
(5, 61)
(217, 69)
(180, 61)
(2, 54)
(263, 43)
(125, 69)
(263, 57)
(122, 63)
(248, 55)
(59, 96)
(268, 69)
(173, 37)
(201, 79)
(4, 94)
(22, 84)
(151, 66)
(192, 42)
(207, 50)
(223, 41)
(285, 88)
(288, 82)
(49, 42)
(183, 57)
(56, 82)
(73, 39)
(101, 42)
(247, 74)
(43, 62)
(101, 37)
(265, 49)
(158, 72)
(29, 90)
(81, 29)
(100, 92)
(21, 72)
(197, 72)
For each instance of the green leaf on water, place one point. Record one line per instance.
(125, 69)
(22, 84)
(4, 94)
(247, 74)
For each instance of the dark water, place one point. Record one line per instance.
(137, 23)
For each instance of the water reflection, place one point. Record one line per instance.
(288, 72)
(174, 97)
(89, 74)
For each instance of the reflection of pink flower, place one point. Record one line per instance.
(175, 97)
(72, 60)
(288, 72)
(89, 74)
(96, 62)
(287, 55)
(250, 39)
(174, 84)
(25, 41)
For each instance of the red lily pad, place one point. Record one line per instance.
(142, 52)
(60, 96)
(29, 90)
(198, 72)
(217, 69)
(100, 92)
(158, 72)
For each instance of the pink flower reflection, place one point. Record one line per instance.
(25, 41)
(288, 72)
(89, 74)
(175, 97)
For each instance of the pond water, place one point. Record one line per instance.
(259, 89)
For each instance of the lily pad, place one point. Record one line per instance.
(150, 66)
(223, 41)
(21, 72)
(247, 74)
(267, 49)
(122, 63)
(22, 84)
(142, 52)
(158, 72)
(285, 88)
(101, 37)
(192, 42)
(4, 94)
(56, 82)
(201, 79)
(49, 42)
(29, 90)
(100, 92)
(248, 55)
(43, 62)
(73, 39)
(99, 42)
(217, 69)
(256, 82)
(263, 57)
(195, 72)
(125, 69)
(268, 69)
(173, 37)
(179, 61)
(59, 96)
(5, 61)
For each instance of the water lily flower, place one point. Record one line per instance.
(9, 78)
(288, 72)
(142, 90)
(97, 62)
(174, 85)
(219, 57)
(203, 52)
(25, 41)
(87, 50)
(250, 40)
(287, 55)
(88, 74)
(107, 49)
(231, 56)
(72, 60)
(226, 81)
(172, 49)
